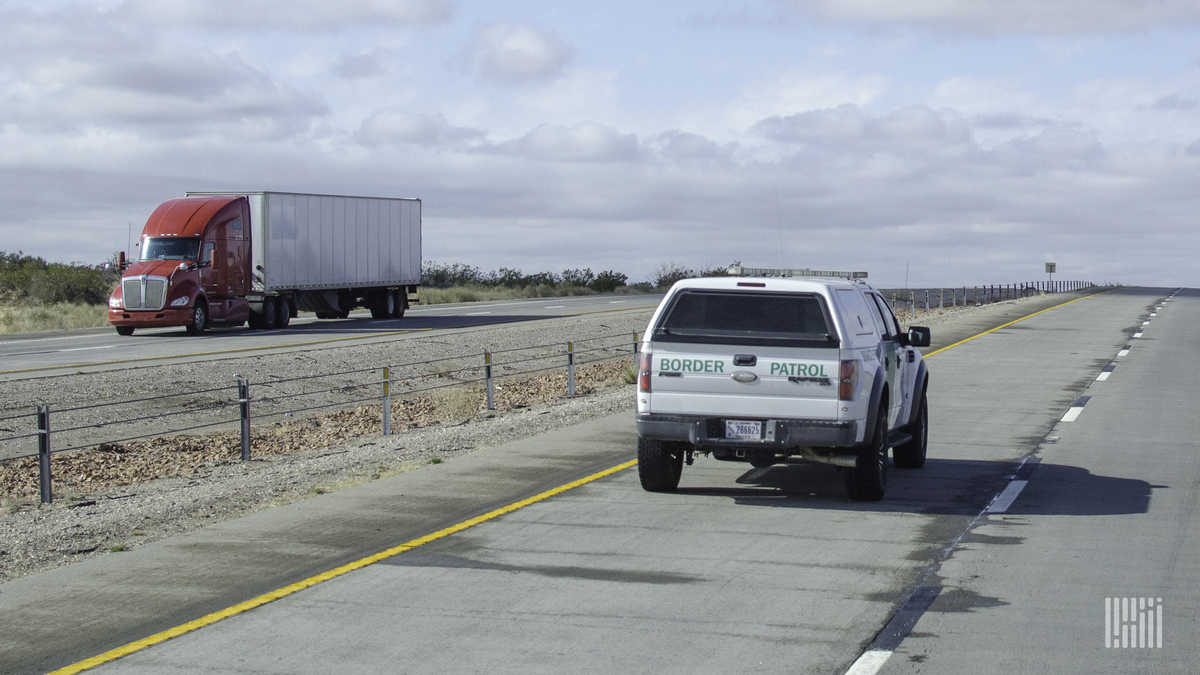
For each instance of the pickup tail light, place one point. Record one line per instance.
(848, 380)
(644, 372)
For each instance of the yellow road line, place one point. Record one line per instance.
(138, 645)
(1005, 325)
(215, 352)
(241, 607)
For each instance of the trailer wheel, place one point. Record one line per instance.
(379, 303)
(199, 318)
(399, 304)
(124, 330)
(283, 313)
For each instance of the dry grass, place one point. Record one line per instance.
(31, 318)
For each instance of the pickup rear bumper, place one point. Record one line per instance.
(709, 432)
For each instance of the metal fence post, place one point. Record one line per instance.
(636, 349)
(244, 404)
(941, 298)
(912, 304)
(571, 369)
(387, 401)
(926, 299)
(43, 421)
(487, 375)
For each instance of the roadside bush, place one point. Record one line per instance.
(607, 281)
(578, 277)
(669, 273)
(29, 278)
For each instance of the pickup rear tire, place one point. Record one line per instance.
(867, 481)
(659, 465)
(124, 330)
(911, 455)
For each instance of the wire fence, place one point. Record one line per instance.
(107, 423)
(210, 408)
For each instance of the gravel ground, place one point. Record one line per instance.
(122, 507)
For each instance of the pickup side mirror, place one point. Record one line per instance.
(918, 336)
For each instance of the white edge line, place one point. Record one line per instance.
(1123, 352)
(1072, 413)
(1103, 376)
(1006, 498)
(870, 662)
(1137, 335)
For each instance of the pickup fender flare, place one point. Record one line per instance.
(877, 387)
(919, 386)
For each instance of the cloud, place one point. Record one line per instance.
(296, 15)
(912, 127)
(989, 16)
(1172, 102)
(360, 65)
(396, 126)
(587, 142)
(517, 53)
(684, 146)
(114, 79)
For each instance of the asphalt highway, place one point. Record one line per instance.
(103, 348)
(1050, 488)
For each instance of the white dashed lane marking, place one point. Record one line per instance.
(1074, 411)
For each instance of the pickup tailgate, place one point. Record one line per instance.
(750, 353)
(744, 381)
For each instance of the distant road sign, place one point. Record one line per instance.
(1050, 268)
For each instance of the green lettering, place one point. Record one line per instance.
(664, 364)
(775, 368)
(823, 370)
(720, 367)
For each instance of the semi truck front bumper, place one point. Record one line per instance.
(150, 319)
(778, 434)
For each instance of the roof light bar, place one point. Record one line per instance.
(738, 270)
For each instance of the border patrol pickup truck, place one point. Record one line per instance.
(764, 369)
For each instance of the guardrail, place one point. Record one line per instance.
(389, 381)
(441, 373)
(906, 301)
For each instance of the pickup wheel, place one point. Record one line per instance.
(199, 318)
(911, 455)
(124, 330)
(659, 465)
(867, 481)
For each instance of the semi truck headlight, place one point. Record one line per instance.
(180, 302)
(114, 303)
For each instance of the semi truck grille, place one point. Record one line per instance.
(144, 292)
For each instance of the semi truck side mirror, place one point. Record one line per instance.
(121, 261)
(918, 336)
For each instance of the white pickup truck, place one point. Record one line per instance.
(762, 369)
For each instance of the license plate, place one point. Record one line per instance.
(743, 430)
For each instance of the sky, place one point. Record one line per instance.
(965, 141)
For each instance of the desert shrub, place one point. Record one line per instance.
(607, 281)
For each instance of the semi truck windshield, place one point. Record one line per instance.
(171, 248)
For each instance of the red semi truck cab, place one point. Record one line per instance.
(193, 267)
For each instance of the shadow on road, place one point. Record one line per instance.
(944, 486)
